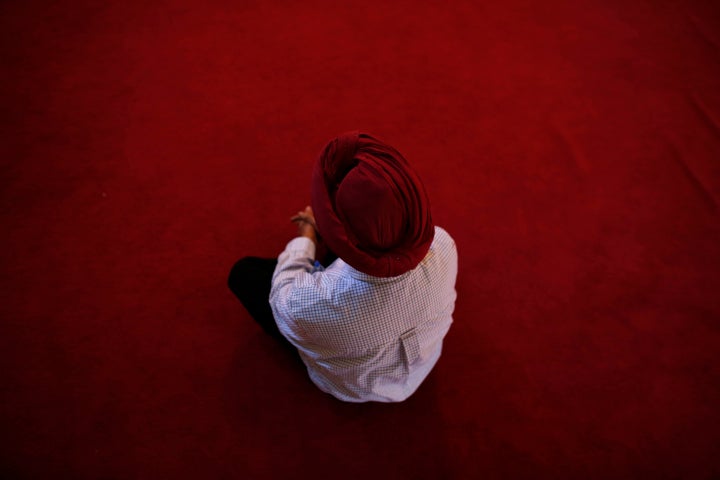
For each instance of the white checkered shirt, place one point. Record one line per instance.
(365, 338)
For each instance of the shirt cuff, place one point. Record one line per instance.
(301, 247)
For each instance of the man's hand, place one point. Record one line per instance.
(306, 224)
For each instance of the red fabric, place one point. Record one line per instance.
(370, 206)
(570, 147)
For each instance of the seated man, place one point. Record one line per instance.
(369, 326)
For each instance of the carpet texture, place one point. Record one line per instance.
(571, 148)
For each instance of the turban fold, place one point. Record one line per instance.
(371, 209)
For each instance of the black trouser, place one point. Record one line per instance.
(250, 280)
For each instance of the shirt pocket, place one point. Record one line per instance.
(410, 347)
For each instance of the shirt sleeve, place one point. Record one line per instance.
(295, 266)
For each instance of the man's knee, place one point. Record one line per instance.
(238, 273)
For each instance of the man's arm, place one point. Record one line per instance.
(305, 221)
(294, 268)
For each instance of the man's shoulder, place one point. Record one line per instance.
(318, 293)
(443, 240)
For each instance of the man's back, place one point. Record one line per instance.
(363, 337)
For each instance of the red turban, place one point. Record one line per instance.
(370, 207)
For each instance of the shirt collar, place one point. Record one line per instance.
(364, 277)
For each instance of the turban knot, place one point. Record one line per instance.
(371, 209)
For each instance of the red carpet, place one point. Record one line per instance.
(571, 148)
